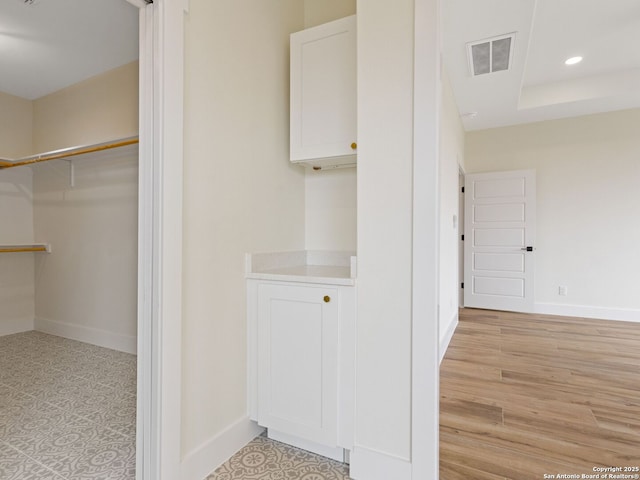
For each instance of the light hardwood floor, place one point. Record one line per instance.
(527, 395)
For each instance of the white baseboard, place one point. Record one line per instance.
(94, 336)
(15, 325)
(205, 459)
(603, 313)
(367, 464)
(445, 339)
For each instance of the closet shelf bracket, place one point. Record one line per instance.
(72, 173)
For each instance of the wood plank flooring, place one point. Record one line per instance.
(527, 395)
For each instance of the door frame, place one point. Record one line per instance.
(425, 344)
(160, 239)
(161, 45)
(461, 229)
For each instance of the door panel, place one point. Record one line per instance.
(499, 213)
(503, 262)
(500, 225)
(498, 187)
(500, 286)
(498, 237)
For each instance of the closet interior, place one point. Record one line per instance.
(69, 219)
(68, 247)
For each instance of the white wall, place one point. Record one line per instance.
(330, 201)
(241, 195)
(451, 159)
(87, 287)
(385, 199)
(16, 217)
(587, 205)
(330, 209)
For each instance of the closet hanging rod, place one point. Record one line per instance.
(37, 247)
(67, 152)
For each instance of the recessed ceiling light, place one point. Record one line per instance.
(572, 60)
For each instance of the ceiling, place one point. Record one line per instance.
(539, 86)
(46, 45)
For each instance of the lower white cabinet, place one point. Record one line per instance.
(301, 362)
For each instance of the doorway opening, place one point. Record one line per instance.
(69, 192)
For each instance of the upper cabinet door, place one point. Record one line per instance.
(323, 94)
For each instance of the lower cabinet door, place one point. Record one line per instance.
(298, 361)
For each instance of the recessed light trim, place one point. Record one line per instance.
(573, 60)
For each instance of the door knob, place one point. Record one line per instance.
(354, 145)
(327, 299)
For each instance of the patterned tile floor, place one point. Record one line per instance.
(265, 459)
(67, 410)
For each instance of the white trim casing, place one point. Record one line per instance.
(160, 240)
(425, 335)
(144, 425)
(166, 352)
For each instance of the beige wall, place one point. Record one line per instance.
(16, 217)
(452, 137)
(16, 269)
(330, 201)
(87, 288)
(330, 210)
(587, 205)
(241, 193)
(16, 126)
(101, 108)
(317, 12)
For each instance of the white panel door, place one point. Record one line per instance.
(499, 249)
(298, 361)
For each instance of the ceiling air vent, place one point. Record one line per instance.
(491, 55)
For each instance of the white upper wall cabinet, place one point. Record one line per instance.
(323, 94)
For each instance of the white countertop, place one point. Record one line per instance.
(332, 268)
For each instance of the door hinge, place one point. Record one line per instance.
(462, 237)
(462, 285)
(462, 189)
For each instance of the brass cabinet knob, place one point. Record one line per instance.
(327, 299)
(354, 145)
